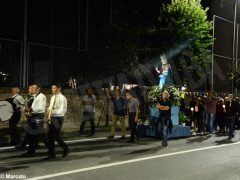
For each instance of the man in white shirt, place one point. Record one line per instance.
(57, 110)
(17, 102)
(89, 102)
(36, 121)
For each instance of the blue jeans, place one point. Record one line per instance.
(204, 118)
(231, 124)
(210, 118)
(165, 135)
(164, 130)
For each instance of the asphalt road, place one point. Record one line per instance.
(199, 157)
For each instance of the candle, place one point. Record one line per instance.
(183, 88)
(192, 109)
(224, 106)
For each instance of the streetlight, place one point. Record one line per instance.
(235, 55)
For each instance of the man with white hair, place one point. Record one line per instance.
(17, 102)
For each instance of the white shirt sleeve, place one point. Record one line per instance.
(39, 104)
(61, 106)
(19, 101)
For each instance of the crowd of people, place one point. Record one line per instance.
(129, 105)
(35, 109)
(208, 115)
(211, 114)
(122, 106)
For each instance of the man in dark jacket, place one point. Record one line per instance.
(231, 110)
(164, 106)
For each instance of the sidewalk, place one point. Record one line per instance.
(69, 132)
(81, 139)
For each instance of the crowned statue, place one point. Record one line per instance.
(165, 72)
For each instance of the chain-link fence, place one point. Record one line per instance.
(49, 64)
(223, 61)
(45, 63)
(10, 62)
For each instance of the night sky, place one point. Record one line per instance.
(57, 21)
(62, 23)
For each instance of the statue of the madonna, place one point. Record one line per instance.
(165, 72)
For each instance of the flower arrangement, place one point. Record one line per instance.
(154, 95)
(175, 96)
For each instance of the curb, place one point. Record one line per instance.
(68, 142)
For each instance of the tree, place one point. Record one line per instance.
(121, 54)
(184, 22)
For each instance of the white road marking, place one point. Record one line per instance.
(128, 162)
(68, 142)
(7, 148)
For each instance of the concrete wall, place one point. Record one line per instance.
(75, 108)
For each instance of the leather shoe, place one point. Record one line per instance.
(50, 158)
(65, 153)
(28, 154)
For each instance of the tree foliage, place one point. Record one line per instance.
(121, 54)
(185, 21)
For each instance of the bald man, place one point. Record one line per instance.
(17, 102)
